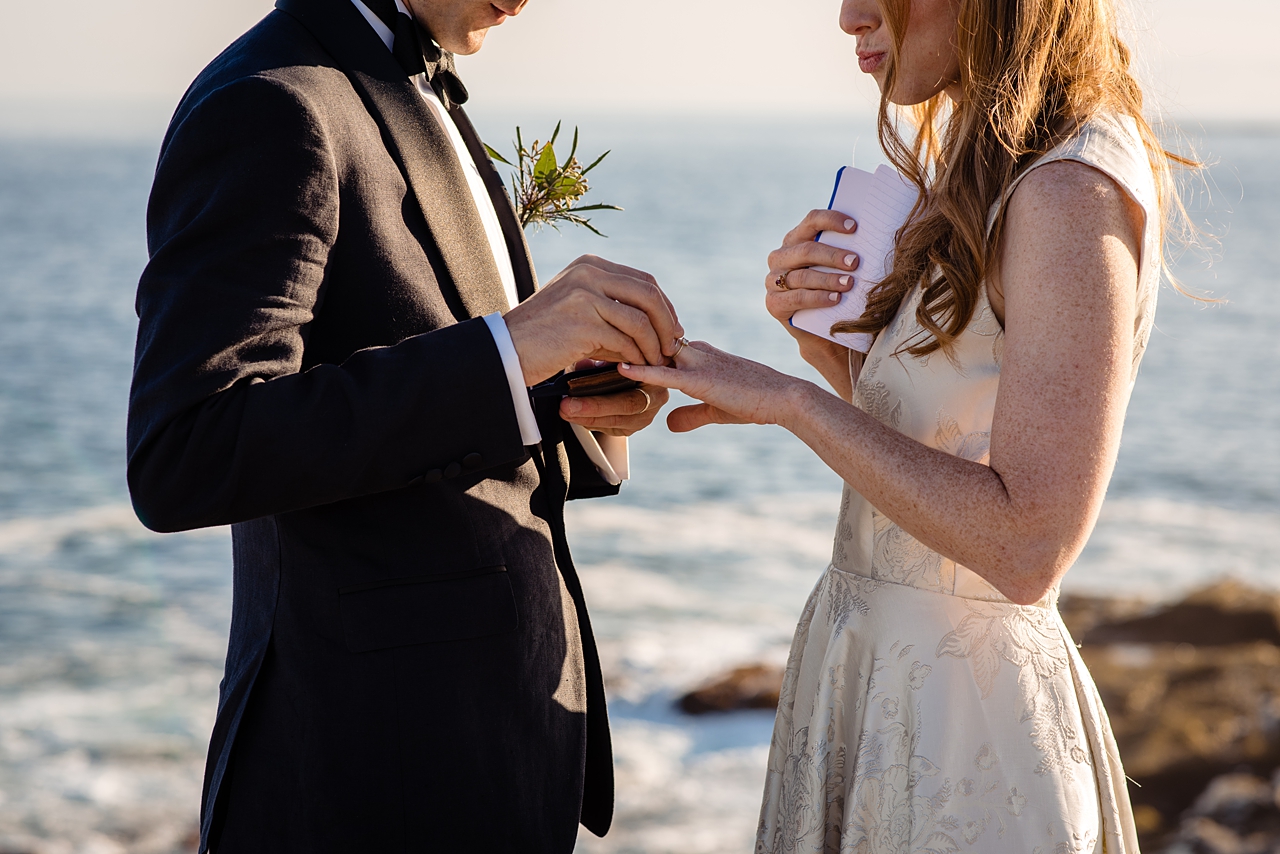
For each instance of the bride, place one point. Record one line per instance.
(934, 701)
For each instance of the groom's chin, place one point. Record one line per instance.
(469, 43)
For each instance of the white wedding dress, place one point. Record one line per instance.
(922, 711)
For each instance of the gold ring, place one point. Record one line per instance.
(681, 344)
(781, 282)
(648, 401)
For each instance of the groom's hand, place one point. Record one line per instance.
(594, 309)
(621, 414)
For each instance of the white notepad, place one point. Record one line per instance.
(880, 202)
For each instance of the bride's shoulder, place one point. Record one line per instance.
(1077, 195)
(1108, 144)
(1059, 220)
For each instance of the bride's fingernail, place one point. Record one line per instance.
(849, 224)
(849, 259)
(834, 297)
(844, 280)
(624, 366)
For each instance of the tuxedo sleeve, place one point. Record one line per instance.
(224, 425)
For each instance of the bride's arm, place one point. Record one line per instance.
(1068, 275)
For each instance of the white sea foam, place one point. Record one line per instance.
(673, 800)
(791, 528)
(82, 769)
(1162, 548)
(41, 535)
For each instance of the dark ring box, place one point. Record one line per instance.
(587, 382)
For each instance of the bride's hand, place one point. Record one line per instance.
(733, 390)
(791, 285)
(809, 288)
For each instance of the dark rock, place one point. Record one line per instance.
(1237, 801)
(1081, 613)
(1193, 692)
(1206, 836)
(1224, 614)
(1184, 715)
(753, 687)
(1237, 814)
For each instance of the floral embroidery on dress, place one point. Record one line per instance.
(844, 601)
(1084, 843)
(975, 446)
(887, 796)
(984, 320)
(1027, 638)
(844, 531)
(873, 398)
(901, 558)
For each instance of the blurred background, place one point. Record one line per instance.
(727, 122)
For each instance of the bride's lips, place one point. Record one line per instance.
(869, 61)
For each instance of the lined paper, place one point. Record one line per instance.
(879, 202)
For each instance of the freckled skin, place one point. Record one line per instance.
(1065, 291)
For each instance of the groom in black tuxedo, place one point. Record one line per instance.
(339, 323)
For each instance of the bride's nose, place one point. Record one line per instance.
(859, 17)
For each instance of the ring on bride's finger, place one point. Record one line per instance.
(681, 343)
(781, 282)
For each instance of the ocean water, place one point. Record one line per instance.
(112, 638)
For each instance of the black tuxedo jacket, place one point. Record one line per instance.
(411, 667)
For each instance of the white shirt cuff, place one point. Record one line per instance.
(529, 432)
(608, 454)
(617, 452)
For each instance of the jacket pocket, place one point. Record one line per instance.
(428, 609)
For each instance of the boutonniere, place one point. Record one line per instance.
(546, 191)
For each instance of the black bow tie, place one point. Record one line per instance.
(418, 53)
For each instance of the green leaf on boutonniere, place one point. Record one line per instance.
(545, 168)
(546, 191)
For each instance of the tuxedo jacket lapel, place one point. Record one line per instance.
(517, 246)
(417, 141)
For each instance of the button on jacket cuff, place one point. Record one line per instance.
(529, 432)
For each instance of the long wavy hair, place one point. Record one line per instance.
(1031, 71)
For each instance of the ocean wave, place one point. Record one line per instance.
(1161, 548)
(672, 798)
(796, 525)
(34, 536)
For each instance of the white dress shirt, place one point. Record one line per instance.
(609, 454)
(529, 432)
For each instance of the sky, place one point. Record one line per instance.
(1202, 62)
